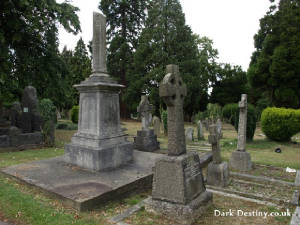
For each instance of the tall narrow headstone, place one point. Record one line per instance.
(240, 159)
(99, 143)
(200, 131)
(145, 140)
(178, 187)
(217, 171)
(156, 125)
(219, 127)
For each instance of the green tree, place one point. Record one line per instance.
(230, 84)
(125, 19)
(78, 67)
(274, 68)
(28, 28)
(166, 39)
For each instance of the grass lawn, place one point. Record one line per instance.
(24, 205)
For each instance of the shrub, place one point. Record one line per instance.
(164, 117)
(214, 111)
(280, 124)
(74, 113)
(231, 112)
(200, 116)
(47, 110)
(66, 126)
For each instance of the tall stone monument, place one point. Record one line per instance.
(145, 140)
(240, 159)
(99, 143)
(178, 187)
(217, 171)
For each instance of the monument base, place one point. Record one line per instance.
(99, 158)
(218, 174)
(84, 189)
(240, 160)
(146, 141)
(21, 141)
(182, 213)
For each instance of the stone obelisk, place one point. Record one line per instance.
(99, 143)
(240, 159)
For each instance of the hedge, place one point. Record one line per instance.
(280, 124)
(74, 113)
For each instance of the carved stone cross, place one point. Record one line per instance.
(99, 44)
(241, 145)
(213, 138)
(173, 90)
(145, 109)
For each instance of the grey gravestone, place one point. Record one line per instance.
(156, 125)
(219, 127)
(30, 120)
(189, 134)
(217, 171)
(15, 113)
(178, 187)
(100, 143)
(200, 131)
(145, 109)
(206, 123)
(240, 159)
(145, 140)
(296, 217)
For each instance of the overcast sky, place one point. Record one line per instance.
(231, 24)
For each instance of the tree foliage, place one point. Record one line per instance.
(125, 19)
(230, 84)
(78, 67)
(274, 69)
(28, 40)
(166, 39)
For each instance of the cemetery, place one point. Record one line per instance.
(149, 151)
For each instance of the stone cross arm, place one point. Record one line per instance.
(243, 102)
(172, 89)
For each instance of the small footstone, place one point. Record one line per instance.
(240, 161)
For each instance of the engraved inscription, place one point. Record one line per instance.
(191, 169)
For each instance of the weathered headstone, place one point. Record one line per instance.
(156, 125)
(145, 111)
(217, 171)
(145, 140)
(240, 159)
(15, 113)
(206, 123)
(219, 127)
(189, 134)
(30, 119)
(200, 131)
(99, 143)
(178, 187)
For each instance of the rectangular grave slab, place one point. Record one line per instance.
(83, 189)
